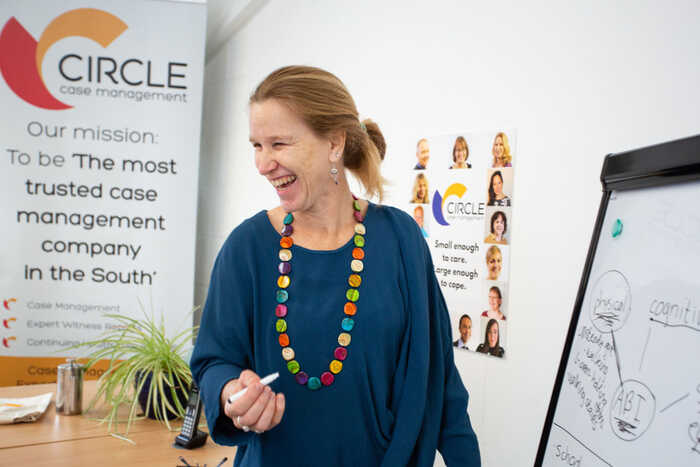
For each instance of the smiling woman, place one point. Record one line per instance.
(498, 229)
(492, 340)
(337, 294)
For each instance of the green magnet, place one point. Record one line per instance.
(617, 228)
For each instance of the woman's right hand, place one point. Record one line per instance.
(259, 409)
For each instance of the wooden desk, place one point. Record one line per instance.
(60, 440)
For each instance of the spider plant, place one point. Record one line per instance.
(134, 349)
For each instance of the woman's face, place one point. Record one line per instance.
(497, 185)
(422, 189)
(498, 148)
(499, 225)
(460, 154)
(492, 335)
(289, 155)
(494, 265)
(465, 329)
(494, 300)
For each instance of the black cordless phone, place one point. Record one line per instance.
(190, 437)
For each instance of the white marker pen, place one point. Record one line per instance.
(265, 381)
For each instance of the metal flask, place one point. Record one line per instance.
(69, 390)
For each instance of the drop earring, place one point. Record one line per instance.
(334, 170)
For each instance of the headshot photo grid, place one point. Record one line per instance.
(461, 197)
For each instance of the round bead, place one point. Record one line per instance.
(281, 310)
(340, 353)
(282, 296)
(283, 340)
(348, 324)
(354, 280)
(288, 353)
(344, 339)
(286, 242)
(358, 253)
(285, 254)
(293, 367)
(301, 377)
(352, 294)
(287, 230)
(356, 205)
(284, 267)
(327, 378)
(359, 241)
(350, 308)
(281, 325)
(360, 229)
(336, 366)
(356, 265)
(283, 282)
(314, 383)
(288, 219)
(358, 216)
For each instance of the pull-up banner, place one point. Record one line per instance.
(99, 154)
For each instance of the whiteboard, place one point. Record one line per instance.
(629, 393)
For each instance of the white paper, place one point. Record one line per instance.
(23, 409)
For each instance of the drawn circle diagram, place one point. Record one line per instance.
(611, 302)
(632, 410)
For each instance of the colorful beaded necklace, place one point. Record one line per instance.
(350, 308)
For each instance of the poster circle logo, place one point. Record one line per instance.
(21, 56)
(456, 189)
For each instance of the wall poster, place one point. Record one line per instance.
(99, 144)
(462, 198)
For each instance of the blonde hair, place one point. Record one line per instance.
(416, 184)
(507, 158)
(492, 252)
(323, 102)
(461, 142)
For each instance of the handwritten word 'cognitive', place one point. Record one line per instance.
(673, 314)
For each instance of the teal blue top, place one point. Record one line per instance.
(398, 398)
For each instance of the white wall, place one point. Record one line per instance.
(577, 81)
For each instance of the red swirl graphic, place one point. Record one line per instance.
(18, 67)
(21, 56)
